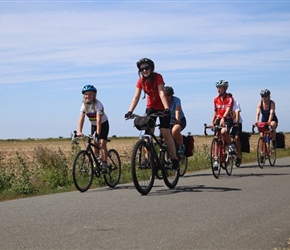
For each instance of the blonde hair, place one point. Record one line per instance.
(87, 104)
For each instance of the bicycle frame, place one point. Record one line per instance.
(219, 152)
(89, 148)
(146, 162)
(86, 165)
(264, 145)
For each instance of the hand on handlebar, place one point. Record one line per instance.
(166, 112)
(128, 115)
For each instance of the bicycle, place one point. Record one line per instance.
(264, 149)
(219, 152)
(86, 165)
(183, 160)
(151, 158)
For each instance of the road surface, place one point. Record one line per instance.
(248, 210)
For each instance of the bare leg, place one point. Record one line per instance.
(176, 134)
(169, 141)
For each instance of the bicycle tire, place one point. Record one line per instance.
(238, 165)
(183, 162)
(272, 156)
(230, 164)
(83, 171)
(215, 147)
(114, 166)
(170, 176)
(142, 173)
(261, 152)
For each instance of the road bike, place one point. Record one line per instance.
(219, 152)
(86, 165)
(151, 158)
(264, 148)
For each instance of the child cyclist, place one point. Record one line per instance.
(222, 115)
(153, 85)
(94, 110)
(178, 120)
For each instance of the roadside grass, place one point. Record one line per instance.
(50, 170)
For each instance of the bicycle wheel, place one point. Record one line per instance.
(215, 158)
(239, 164)
(272, 155)
(261, 152)
(82, 171)
(170, 176)
(230, 164)
(114, 166)
(183, 161)
(142, 168)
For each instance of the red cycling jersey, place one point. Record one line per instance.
(151, 89)
(220, 105)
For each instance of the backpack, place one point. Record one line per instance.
(245, 142)
(188, 142)
(280, 140)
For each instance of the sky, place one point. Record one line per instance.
(50, 49)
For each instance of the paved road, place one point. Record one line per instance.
(248, 210)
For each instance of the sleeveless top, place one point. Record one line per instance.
(266, 113)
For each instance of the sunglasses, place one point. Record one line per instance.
(264, 95)
(144, 68)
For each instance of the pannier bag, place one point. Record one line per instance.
(188, 142)
(280, 140)
(262, 126)
(144, 122)
(245, 142)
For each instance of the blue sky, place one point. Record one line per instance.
(50, 49)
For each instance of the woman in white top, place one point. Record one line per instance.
(237, 129)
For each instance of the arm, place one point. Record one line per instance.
(258, 112)
(135, 99)
(272, 111)
(81, 123)
(237, 115)
(98, 123)
(177, 114)
(213, 118)
(162, 96)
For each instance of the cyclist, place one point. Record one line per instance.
(178, 120)
(266, 107)
(237, 129)
(222, 115)
(152, 84)
(94, 110)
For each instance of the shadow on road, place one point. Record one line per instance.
(266, 166)
(198, 188)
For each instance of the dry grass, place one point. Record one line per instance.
(26, 148)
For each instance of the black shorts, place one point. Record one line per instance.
(182, 124)
(229, 123)
(237, 130)
(104, 130)
(164, 121)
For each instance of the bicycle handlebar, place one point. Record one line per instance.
(157, 114)
(75, 136)
(213, 128)
(262, 123)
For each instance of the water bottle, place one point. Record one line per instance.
(267, 139)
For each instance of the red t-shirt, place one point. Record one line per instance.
(220, 106)
(151, 89)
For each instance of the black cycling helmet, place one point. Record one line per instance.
(146, 60)
(89, 88)
(265, 92)
(169, 90)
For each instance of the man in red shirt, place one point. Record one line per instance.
(222, 115)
